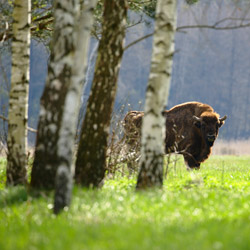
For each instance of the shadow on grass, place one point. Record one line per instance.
(13, 195)
(19, 194)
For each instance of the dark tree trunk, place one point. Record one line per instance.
(63, 188)
(53, 98)
(91, 156)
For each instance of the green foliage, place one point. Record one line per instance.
(2, 173)
(150, 8)
(190, 2)
(206, 209)
(147, 7)
(141, 7)
(42, 20)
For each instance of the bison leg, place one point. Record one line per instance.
(191, 163)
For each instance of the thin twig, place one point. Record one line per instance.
(3, 118)
(28, 128)
(134, 24)
(138, 40)
(213, 27)
(43, 17)
(191, 27)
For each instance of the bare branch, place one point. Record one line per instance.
(31, 130)
(50, 15)
(3, 118)
(28, 128)
(181, 28)
(231, 19)
(215, 27)
(138, 40)
(134, 24)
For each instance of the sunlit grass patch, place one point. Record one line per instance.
(206, 209)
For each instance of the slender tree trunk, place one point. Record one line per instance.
(91, 156)
(152, 150)
(60, 71)
(67, 130)
(18, 99)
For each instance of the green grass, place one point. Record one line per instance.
(2, 173)
(206, 209)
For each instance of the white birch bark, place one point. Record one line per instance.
(67, 131)
(18, 99)
(61, 98)
(152, 150)
(52, 101)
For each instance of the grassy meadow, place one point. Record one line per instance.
(206, 209)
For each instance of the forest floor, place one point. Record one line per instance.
(206, 209)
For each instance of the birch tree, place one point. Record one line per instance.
(152, 150)
(91, 156)
(18, 98)
(60, 70)
(67, 130)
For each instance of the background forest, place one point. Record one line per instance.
(211, 65)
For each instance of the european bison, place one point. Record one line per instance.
(191, 129)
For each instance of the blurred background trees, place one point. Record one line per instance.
(211, 63)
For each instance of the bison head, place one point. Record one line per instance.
(209, 125)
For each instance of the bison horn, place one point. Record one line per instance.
(223, 118)
(197, 118)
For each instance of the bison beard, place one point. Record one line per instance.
(191, 129)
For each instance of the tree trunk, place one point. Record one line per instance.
(63, 188)
(60, 71)
(18, 99)
(67, 130)
(91, 156)
(152, 149)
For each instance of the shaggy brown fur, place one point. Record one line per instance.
(191, 129)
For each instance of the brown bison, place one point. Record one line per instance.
(191, 129)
